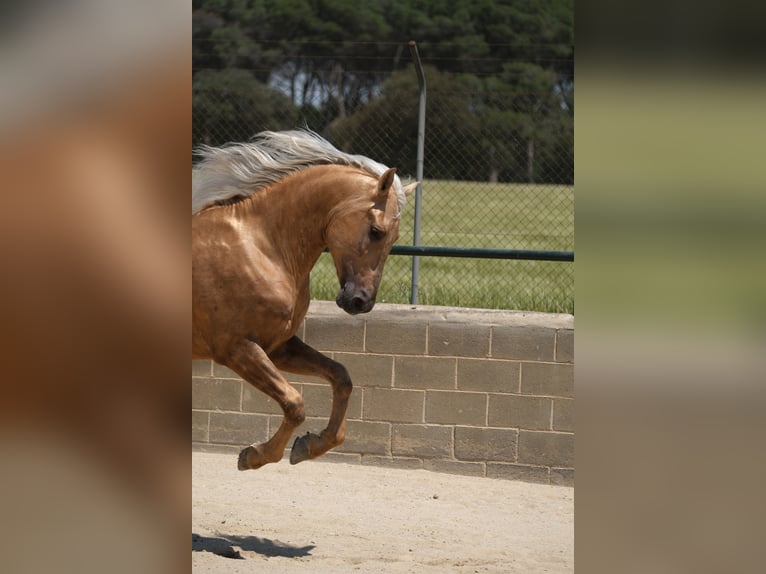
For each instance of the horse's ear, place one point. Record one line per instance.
(408, 189)
(386, 181)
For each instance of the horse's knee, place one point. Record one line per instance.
(344, 389)
(294, 411)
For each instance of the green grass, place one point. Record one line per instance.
(471, 214)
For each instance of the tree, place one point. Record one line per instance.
(524, 111)
(317, 64)
(501, 78)
(231, 105)
(387, 128)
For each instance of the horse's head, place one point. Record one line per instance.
(360, 236)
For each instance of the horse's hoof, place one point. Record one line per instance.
(300, 450)
(242, 463)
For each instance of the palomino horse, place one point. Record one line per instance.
(262, 213)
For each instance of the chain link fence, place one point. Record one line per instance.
(498, 173)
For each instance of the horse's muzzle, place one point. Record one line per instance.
(354, 300)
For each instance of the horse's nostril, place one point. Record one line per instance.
(357, 304)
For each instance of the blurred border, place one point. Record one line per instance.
(95, 125)
(94, 151)
(670, 283)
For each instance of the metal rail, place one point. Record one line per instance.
(480, 253)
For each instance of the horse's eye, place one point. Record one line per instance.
(376, 233)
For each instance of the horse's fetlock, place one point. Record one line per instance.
(333, 439)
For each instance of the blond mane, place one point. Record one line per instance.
(239, 170)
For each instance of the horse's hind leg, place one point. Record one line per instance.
(295, 356)
(250, 361)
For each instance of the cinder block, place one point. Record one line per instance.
(546, 448)
(368, 370)
(221, 394)
(458, 340)
(519, 411)
(393, 462)
(565, 345)
(421, 440)
(312, 424)
(523, 343)
(218, 448)
(238, 428)
(424, 372)
(396, 338)
(255, 401)
(563, 415)
(301, 332)
(222, 372)
(200, 422)
(202, 368)
(547, 379)
(318, 401)
(296, 379)
(455, 467)
(366, 437)
(274, 423)
(488, 376)
(354, 409)
(395, 405)
(485, 444)
(341, 333)
(563, 476)
(523, 472)
(456, 408)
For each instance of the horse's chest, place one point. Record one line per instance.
(281, 321)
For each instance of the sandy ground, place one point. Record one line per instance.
(332, 517)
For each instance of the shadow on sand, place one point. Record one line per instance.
(230, 546)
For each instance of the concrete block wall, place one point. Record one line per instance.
(484, 393)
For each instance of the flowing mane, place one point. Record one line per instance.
(239, 170)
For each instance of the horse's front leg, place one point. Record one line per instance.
(295, 356)
(252, 363)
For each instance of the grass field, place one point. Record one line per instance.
(471, 214)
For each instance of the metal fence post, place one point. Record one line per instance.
(418, 168)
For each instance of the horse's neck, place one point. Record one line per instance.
(293, 215)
